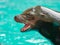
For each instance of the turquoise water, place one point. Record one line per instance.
(10, 30)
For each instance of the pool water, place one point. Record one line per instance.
(10, 30)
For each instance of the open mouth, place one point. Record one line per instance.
(27, 26)
(22, 20)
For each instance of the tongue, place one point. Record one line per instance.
(27, 26)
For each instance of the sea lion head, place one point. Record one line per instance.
(31, 16)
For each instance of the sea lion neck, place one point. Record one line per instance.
(54, 15)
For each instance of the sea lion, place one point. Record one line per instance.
(41, 18)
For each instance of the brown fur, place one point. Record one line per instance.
(43, 22)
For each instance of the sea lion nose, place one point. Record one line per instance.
(16, 19)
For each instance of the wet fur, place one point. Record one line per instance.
(46, 26)
(48, 30)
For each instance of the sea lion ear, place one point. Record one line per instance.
(38, 11)
(42, 15)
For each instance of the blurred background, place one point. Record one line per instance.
(10, 30)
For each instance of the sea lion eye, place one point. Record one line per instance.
(29, 17)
